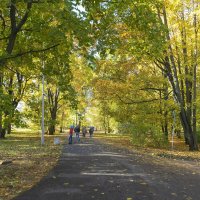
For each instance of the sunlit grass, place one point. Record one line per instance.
(178, 151)
(30, 160)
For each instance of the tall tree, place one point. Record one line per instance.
(166, 38)
(180, 65)
(26, 34)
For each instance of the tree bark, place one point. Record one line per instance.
(194, 122)
(14, 30)
(170, 67)
(104, 124)
(53, 108)
(1, 103)
(62, 120)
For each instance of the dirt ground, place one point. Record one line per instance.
(95, 170)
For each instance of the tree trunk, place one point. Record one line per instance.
(10, 113)
(51, 129)
(165, 125)
(53, 103)
(188, 83)
(61, 129)
(9, 128)
(1, 127)
(188, 130)
(62, 119)
(1, 103)
(170, 67)
(3, 133)
(52, 122)
(194, 122)
(104, 124)
(108, 124)
(15, 29)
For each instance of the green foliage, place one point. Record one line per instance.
(127, 55)
(134, 25)
(42, 38)
(19, 120)
(143, 134)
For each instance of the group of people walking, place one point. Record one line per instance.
(77, 131)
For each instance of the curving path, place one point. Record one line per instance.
(92, 170)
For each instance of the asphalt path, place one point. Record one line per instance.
(92, 170)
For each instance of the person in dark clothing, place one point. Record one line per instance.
(91, 131)
(84, 131)
(77, 132)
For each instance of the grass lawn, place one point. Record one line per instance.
(30, 161)
(180, 150)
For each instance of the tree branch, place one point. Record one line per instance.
(12, 16)
(4, 38)
(157, 89)
(134, 102)
(162, 69)
(28, 52)
(3, 21)
(23, 20)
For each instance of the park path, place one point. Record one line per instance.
(93, 170)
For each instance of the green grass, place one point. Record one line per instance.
(30, 161)
(180, 150)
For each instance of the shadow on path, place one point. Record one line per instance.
(91, 170)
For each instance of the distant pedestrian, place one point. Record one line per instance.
(84, 131)
(91, 131)
(77, 132)
(71, 130)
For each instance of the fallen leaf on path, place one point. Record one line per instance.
(189, 198)
(143, 183)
